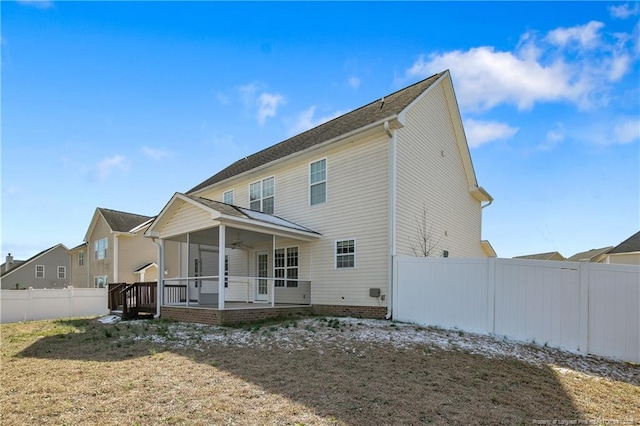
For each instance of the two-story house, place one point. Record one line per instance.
(48, 269)
(115, 250)
(316, 219)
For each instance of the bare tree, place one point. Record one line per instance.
(424, 244)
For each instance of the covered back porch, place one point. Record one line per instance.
(229, 259)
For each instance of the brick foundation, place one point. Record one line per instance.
(350, 311)
(231, 316)
(239, 316)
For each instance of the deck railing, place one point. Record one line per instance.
(133, 299)
(203, 291)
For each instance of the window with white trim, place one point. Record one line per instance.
(227, 197)
(286, 267)
(81, 258)
(39, 271)
(262, 195)
(318, 182)
(100, 248)
(62, 272)
(346, 254)
(100, 281)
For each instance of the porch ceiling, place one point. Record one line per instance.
(187, 214)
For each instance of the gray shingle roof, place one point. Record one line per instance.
(371, 113)
(122, 221)
(588, 255)
(231, 210)
(631, 244)
(540, 256)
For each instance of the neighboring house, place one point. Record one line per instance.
(115, 250)
(552, 255)
(48, 269)
(593, 255)
(627, 252)
(10, 263)
(317, 219)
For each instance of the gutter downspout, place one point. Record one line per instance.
(392, 215)
(115, 258)
(160, 275)
(487, 205)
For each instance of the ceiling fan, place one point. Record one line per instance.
(238, 243)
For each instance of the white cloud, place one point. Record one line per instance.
(552, 139)
(156, 153)
(306, 121)
(353, 82)
(253, 97)
(481, 132)
(539, 69)
(268, 104)
(586, 36)
(105, 167)
(40, 4)
(624, 11)
(626, 131)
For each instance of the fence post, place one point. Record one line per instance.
(70, 292)
(27, 312)
(491, 295)
(584, 306)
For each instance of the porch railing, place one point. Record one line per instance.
(133, 299)
(203, 291)
(115, 300)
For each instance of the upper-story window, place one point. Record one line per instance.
(227, 197)
(100, 248)
(261, 195)
(318, 182)
(62, 272)
(81, 258)
(39, 271)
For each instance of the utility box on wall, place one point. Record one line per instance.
(374, 292)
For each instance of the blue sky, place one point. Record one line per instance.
(119, 104)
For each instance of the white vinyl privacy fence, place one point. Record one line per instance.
(37, 304)
(579, 306)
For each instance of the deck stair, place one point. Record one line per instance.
(133, 301)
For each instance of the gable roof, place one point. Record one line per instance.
(389, 106)
(540, 256)
(630, 245)
(32, 258)
(122, 221)
(230, 214)
(589, 254)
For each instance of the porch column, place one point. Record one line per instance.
(160, 276)
(221, 247)
(273, 270)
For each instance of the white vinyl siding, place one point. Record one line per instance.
(62, 272)
(318, 182)
(431, 176)
(262, 195)
(100, 248)
(358, 170)
(186, 217)
(227, 197)
(345, 254)
(39, 271)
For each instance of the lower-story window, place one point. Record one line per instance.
(100, 281)
(286, 267)
(346, 254)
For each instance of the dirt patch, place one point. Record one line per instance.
(313, 371)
